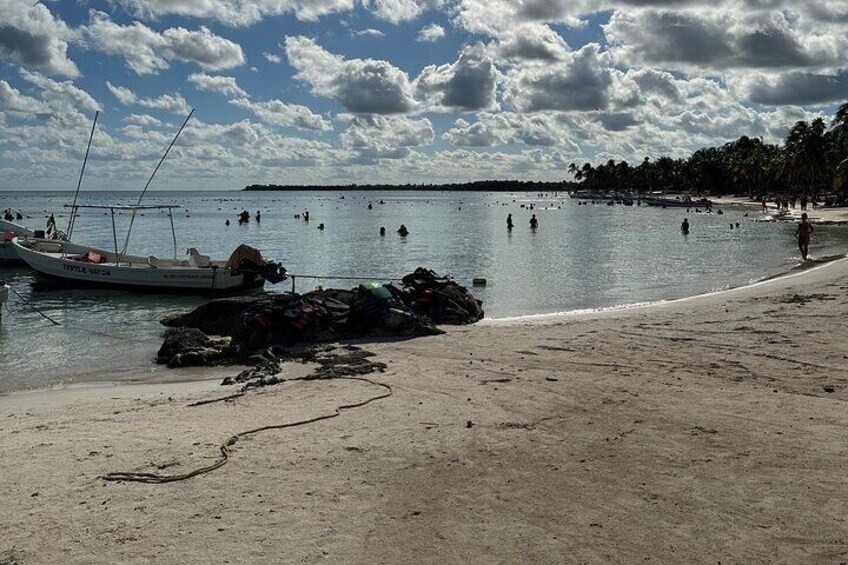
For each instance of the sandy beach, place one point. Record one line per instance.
(694, 431)
(835, 215)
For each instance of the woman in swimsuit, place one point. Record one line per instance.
(803, 234)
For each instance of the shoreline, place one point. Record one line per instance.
(797, 270)
(188, 375)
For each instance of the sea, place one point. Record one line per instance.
(581, 257)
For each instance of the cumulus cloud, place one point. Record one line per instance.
(277, 112)
(651, 81)
(796, 88)
(12, 100)
(173, 103)
(148, 52)
(143, 120)
(64, 92)
(362, 86)
(581, 82)
(397, 11)
(240, 13)
(507, 128)
(430, 33)
(717, 39)
(33, 37)
(468, 84)
(224, 85)
(387, 132)
(533, 42)
(273, 58)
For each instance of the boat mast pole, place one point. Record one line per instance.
(73, 217)
(173, 232)
(114, 235)
(144, 191)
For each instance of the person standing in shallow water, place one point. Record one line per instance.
(509, 222)
(805, 229)
(684, 227)
(534, 223)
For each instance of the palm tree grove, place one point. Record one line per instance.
(813, 160)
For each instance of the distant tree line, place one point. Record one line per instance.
(813, 159)
(476, 186)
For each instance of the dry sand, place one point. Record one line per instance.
(815, 215)
(696, 431)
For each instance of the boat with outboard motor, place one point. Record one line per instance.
(83, 265)
(77, 264)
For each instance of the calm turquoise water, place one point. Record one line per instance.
(580, 257)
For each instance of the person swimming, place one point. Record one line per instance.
(244, 217)
(382, 231)
(403, 231)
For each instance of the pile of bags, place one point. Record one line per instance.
(255, 323)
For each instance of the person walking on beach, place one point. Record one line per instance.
(509, 222)
(805, 229)
(534, 223)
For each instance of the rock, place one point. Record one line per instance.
(185, 347)
(829, 388)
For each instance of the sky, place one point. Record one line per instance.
(398, 91)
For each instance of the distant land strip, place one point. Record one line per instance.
(476, 186)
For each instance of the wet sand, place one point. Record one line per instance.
(693, 431)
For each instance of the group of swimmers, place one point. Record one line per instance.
(534, 223)
(9, 216)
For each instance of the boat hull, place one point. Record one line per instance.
(8, 255)
(199, 280)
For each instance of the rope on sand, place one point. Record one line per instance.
(224, 448)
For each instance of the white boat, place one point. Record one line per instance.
(88, 266)
(8, 231)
